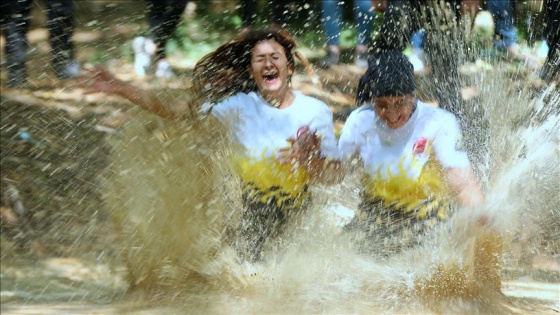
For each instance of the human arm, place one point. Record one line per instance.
(100, 80)
(352, 138)
(449, 149)
(468, 192)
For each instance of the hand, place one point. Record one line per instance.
(303, 150)
(99, 80)
(484, 220)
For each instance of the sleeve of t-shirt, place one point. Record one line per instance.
(348, 143)
(448, 143)
(324, 126)
(225, 109)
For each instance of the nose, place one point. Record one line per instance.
(268, 62)
(391, 112)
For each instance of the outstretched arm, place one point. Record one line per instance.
(100, 80)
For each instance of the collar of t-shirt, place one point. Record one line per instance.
(264, 101)
(395, 135)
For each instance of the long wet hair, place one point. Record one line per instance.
(224, 72)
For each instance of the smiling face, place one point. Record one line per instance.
(395, 111)
(270, 69)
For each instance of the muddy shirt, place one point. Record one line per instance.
(404, 166)
(262, 129)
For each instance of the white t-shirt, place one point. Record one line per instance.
(261, 128)
(387, 151)
(404, 167)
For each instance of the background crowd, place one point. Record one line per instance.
(368, 26)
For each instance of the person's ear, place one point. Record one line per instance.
(291, 69)
(250, 71)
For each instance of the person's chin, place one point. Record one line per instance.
(394, 125)
(271, 89)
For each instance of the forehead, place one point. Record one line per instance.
(391, 99)
(268, 46)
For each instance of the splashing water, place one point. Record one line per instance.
(174, 197)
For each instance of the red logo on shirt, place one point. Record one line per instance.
(301, 130)
(420, 146)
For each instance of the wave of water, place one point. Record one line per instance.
(174, 196)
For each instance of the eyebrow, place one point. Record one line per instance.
(264, 54)
(393, 103)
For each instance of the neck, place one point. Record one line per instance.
(280, 100)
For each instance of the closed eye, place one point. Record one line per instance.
(401, 103)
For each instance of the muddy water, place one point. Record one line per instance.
(172, 197)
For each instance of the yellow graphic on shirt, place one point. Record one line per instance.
(424, 195)
(270, 181)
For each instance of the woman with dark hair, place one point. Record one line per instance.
(413, 155)
(287, 138)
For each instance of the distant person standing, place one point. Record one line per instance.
(551, 68)
(163, 18)
(332, 17)
(503, 14)
(15, 18)
(276, 15)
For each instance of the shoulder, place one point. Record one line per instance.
(364, 112)
(366, 109)
(435, 114)
(360, 120)
(441, 124)
(311, 105)
(240, 99)
(232, 105)
(309, 100)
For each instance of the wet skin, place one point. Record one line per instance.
(271, 71)
(395, 111)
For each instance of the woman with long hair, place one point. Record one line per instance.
(287, 138)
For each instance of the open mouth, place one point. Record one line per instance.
(270, 77)
(393, 122)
